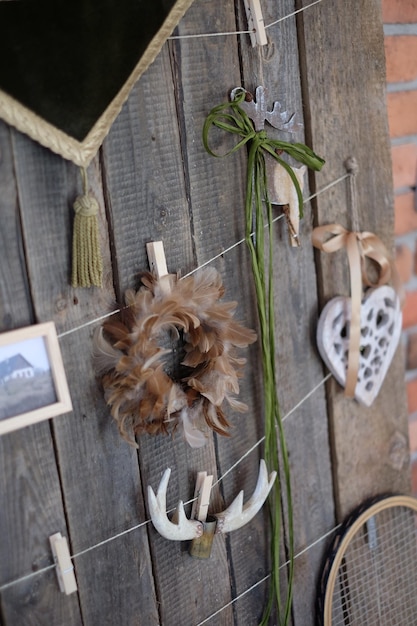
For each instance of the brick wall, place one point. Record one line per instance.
(400, 27)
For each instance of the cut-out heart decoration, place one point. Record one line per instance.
(381, 321)
(66, 68)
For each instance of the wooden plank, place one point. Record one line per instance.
(276, 66)
(160, 184)
(144, 179)
(15, 305)
(345, 99)
(148, 197)
(217, 199)
(30, 497)
(99, 473)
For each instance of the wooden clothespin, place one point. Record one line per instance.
(158, 263)
(200, 548)
(256, 23)
(156, 258)
(64, 566)
(201, 496)
(281, 190)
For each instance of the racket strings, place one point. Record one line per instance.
(376, 582)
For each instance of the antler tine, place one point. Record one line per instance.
(184, 529)
(237, 514)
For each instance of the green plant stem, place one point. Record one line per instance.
(239, 124)
(263, 279)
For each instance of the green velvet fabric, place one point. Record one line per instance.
(66, 61)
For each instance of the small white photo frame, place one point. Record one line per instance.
(33, 385)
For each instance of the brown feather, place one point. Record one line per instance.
(141, 395)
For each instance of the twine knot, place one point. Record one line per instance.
(86, 206)
(351, 166)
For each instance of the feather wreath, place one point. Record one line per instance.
(132, 360)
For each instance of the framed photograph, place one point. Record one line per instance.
(33, 386)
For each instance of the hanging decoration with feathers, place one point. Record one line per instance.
(132, 358)
(244, 118)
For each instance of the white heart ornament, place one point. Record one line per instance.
(381, 322)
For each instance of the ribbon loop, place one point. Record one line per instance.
(360, 246)
(232, 118)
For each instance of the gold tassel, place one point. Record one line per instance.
(87, 265)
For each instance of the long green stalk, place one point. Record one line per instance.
(239, 124)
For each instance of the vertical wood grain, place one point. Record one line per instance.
(154, 180)
(30, 492)
(217, 192)
(207, 70)
(100, 477)
(344, 74)
(276, 67)
(148, 193)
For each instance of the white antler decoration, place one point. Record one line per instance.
(234, 517)
(239, 514)
(184, 529)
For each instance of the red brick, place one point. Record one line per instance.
(412, 431)
(410, 309)
(402, 113)
(414, 478)
(404, 165)
(401, 58)
(399, 11)
(411, 359)
(412, 396)
(404, 262)
(405, 213)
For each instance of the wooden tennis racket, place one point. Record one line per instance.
(370, 573)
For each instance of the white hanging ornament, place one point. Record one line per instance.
(281, 190)
(357, 337)
(380, 330)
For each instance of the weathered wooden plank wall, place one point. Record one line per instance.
(155, 181)
(346, 107)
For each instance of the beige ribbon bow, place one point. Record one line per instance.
(359, 247)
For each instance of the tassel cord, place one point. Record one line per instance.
(87, 264)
